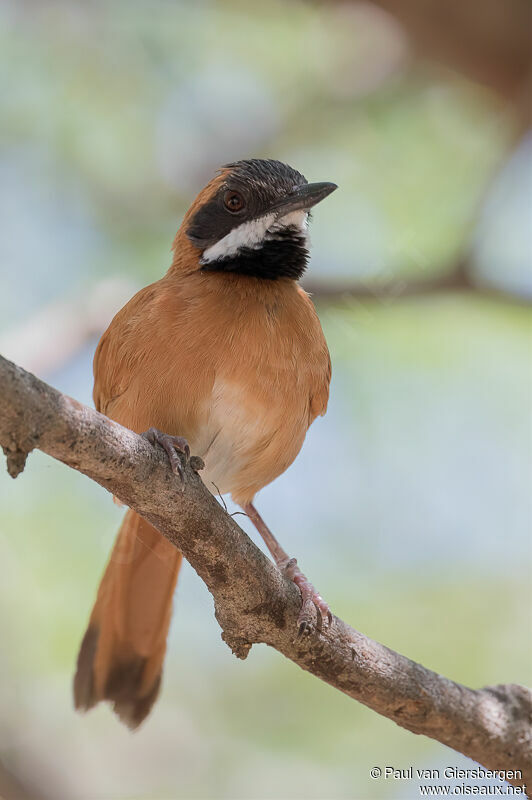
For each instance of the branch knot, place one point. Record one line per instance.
(240, 647)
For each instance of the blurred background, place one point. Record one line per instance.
(409, 506)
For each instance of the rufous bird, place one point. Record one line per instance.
(223, 357)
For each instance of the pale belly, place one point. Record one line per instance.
(247, 440)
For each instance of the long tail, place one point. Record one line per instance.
(122, 653)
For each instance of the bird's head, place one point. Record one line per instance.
(252, 219)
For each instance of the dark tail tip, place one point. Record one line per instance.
(123, 690)
(83, 680)
(122, 687)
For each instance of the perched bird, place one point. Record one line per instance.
(223, 357)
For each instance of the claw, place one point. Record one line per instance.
(313, 606)
(311, 602)
(305, 629)
(170, 445)
(319, 618)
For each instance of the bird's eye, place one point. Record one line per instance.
(233, 201)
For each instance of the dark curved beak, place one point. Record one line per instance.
(303, 197)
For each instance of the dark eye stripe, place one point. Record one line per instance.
(259, 182)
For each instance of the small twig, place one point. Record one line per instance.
(220, 496)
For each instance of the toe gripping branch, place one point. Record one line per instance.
(172, 445)
(311, 601)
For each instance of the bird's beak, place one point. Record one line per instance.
(303, 197)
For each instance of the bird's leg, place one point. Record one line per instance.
(170, 444)
(310, 597)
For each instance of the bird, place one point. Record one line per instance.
(223, 357)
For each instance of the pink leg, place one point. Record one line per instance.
(310, 598)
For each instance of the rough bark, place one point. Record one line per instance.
(253, 602)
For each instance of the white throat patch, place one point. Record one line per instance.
(253, 233)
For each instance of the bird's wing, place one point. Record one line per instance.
(319, 396)
(120, 352)
(318, 360)
(152, 367)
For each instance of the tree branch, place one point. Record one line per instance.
(388, 289)
(253, 602)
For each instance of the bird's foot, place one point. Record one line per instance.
(172, 445)
(312, 601)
